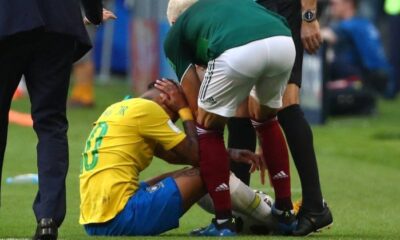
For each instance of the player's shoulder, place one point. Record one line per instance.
(132, 108)
(171, 42)
(143, 102)
(148, 108)
(142, 105)
(174, 32)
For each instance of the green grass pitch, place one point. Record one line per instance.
(359, 161)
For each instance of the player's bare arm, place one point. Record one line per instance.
(310, 31)
(174, 98)
(236, 155)
(245, 156)
(191, 85)
(172, 157)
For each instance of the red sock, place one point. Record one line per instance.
(214, 168)
(276, 158)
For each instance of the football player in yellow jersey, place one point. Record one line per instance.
(123, 142)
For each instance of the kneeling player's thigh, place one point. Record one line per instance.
(151, 211)
(158, 208)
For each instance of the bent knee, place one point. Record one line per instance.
(260, 113)
(210, 120)
(291, 95)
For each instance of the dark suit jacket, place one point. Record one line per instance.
(58, 16)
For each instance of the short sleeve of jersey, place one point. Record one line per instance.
(157, 126)
(177, 55)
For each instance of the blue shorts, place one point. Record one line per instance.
(150, 211)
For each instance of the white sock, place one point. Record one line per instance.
(244, 201)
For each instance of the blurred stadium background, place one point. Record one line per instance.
(132, 48)
(359, 154)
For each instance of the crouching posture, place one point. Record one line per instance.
(123, 142)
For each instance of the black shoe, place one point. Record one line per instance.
(286, 221)
(46, 230)
(309, 222)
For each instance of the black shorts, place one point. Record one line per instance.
(291, 10)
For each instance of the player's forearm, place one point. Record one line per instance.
(169, 156)
(308, 5)
(190, 129)
(191, 85)
(192, 142)
(187, 151)
(231, 154)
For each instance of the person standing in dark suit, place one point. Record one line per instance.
(314, 213)
(41, 40)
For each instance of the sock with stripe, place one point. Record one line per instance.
(276, 158)
(214, 169)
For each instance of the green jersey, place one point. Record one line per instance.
(210, 27)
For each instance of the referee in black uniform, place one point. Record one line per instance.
(314, 213)
(41, 40)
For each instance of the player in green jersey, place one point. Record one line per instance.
(244, 65)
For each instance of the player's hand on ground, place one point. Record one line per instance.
(172, 96)
(311, 36)
(107, 15)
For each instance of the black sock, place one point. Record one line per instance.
(242, 136)
(300, 140)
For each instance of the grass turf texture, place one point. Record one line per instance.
(359, 161)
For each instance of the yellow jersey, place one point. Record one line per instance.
(120, 146)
